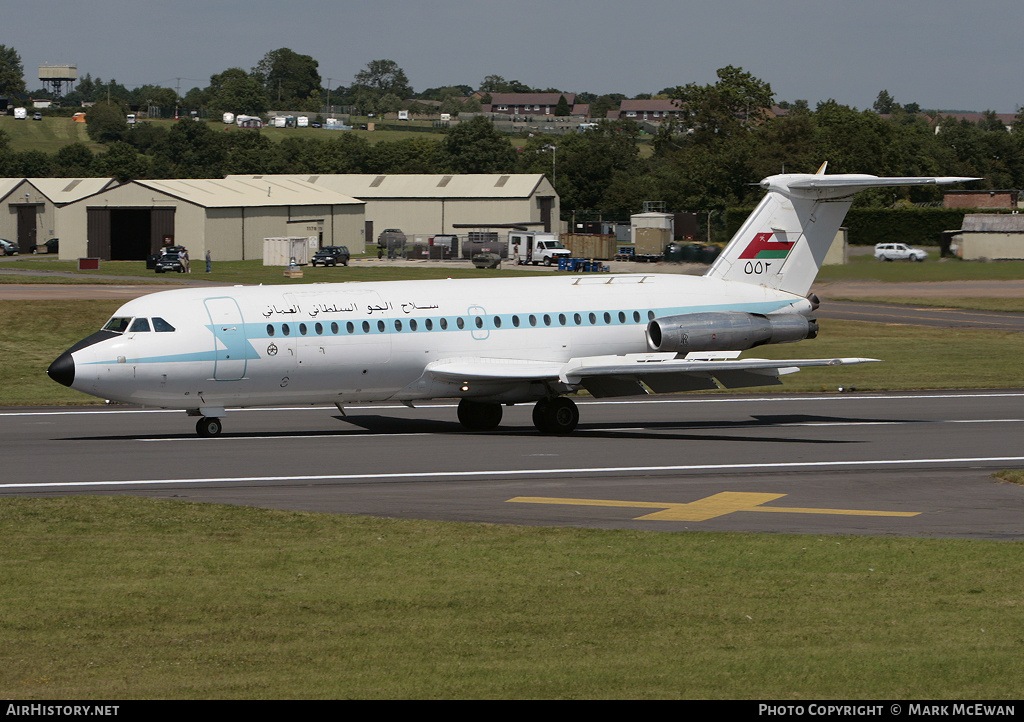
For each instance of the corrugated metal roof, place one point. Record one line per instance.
(375, 186)
(249, 191)
(994, 223)
(58, 190)
(68, 190)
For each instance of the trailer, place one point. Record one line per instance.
(649, 234)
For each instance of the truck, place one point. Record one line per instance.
(529, 247)
(20, 113)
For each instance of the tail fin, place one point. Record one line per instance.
(784, 241)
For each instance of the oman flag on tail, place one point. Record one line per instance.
(763, 247)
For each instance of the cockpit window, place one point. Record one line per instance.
(161, 326)
(118, 324)
(140, 325)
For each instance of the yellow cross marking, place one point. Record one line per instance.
(709, 507)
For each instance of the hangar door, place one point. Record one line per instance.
(127, 234)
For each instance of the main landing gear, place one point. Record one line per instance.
(555, 416)
(209, 426)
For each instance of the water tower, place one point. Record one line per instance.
(56, 76)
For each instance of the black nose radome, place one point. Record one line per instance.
(62, 370)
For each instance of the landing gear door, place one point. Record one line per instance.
(230, 342)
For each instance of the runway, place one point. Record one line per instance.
(901, 464)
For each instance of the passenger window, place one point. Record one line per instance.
(561, 319)
(285, 330)
(515, 321)
(577, 319)
(429, 324)
(443, 323)
(497, 321)
(593, 319)
(460, 323)
(412, 325)
(334, 328)
(479, 322)
(161, 326)
(270, 329)
(398, 325)
(319, 328)
(140, 325)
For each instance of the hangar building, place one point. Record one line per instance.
(228, 217)
(30, 214)
(991, 236)
(426, 205)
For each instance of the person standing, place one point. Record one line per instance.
(209, 261)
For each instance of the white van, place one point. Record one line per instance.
(20, 113)
(527, 247)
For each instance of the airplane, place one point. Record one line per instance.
(486, 342)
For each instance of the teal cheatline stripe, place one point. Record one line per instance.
(771, 254)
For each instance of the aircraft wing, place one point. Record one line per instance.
(633, 374)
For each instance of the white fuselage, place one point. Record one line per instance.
(342, 342)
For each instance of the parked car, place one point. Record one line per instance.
(51, 246)
(331, 256)
(174, 259)
(899, 252)
(7, 248)
(37, 116)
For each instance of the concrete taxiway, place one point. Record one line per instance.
(904, 464)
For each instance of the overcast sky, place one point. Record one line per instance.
(946, 54)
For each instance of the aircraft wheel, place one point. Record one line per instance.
(556, 416)
(209, 426)
(478, 415)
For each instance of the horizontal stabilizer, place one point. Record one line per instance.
(858, 181)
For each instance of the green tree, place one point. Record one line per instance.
(562, 109)
(194, 150)
(122, 162)
(12, 73)
(236, 91)
(737, 101)
(106, 122)
(74, 161)
(475, 146)
(383, 77)
(287, 77)
(885, 104)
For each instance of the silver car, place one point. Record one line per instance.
(898, 252)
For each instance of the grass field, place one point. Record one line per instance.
(52, 133)
(121, 598)
(47, 135)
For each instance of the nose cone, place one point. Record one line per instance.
(62, 370)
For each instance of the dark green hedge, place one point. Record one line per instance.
(868, 226)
